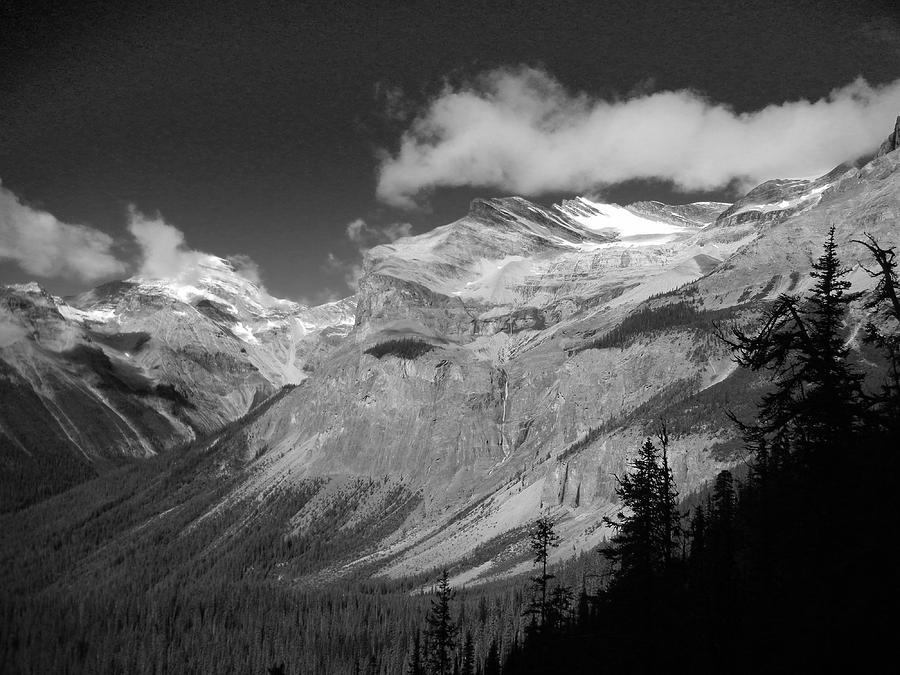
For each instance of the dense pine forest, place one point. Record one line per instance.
(780, 565)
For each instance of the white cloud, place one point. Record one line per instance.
(520, 130)
(164, 254)
(350, 270)
(366, 236)
(363, 236)
(42, 245)
(247, 267)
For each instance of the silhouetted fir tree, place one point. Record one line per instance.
(441, 630)
(559, 608)
(642, 588)
(723, 502)
(885, 302)
(668, 501)
(541, 539)
(697, 533)
(643, 541)
(816, 403)
(721, 567)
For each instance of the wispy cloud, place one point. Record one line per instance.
(164, 254)
(521, 130)
(349, 269)
(363, 236)
(44, 246)
(366, 236)
(247, 267)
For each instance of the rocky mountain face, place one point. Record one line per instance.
(141, 366)
(892, 142)
(511, 362)
(500, 366)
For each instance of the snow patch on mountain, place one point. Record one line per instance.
(628, 228)
(805, 200)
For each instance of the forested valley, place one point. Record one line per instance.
(780, 565)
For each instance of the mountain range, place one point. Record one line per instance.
(501, 366)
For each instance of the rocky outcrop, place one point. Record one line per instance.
(777, 200)
(892, 142)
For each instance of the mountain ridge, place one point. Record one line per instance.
(543, 344)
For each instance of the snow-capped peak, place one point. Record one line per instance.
(216, 280)
(626, 226)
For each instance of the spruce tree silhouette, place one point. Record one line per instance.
(441, 630)
(642, 544)
(817, 403)
(641, 550)
(541, 539)
(883, 332)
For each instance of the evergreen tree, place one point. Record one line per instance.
(722, 574)
(885, 302)
(643, 584)
(441, 630)
(816, 403)
(698, 537)
(668, 500)
(643, 542)
(559, 607)
(542, 538)
(723, 500)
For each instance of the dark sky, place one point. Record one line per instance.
(255, 127)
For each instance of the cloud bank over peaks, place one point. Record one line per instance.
(520, 130)
(41, 244)
(165, 255)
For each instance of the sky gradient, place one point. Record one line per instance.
(266, 129)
